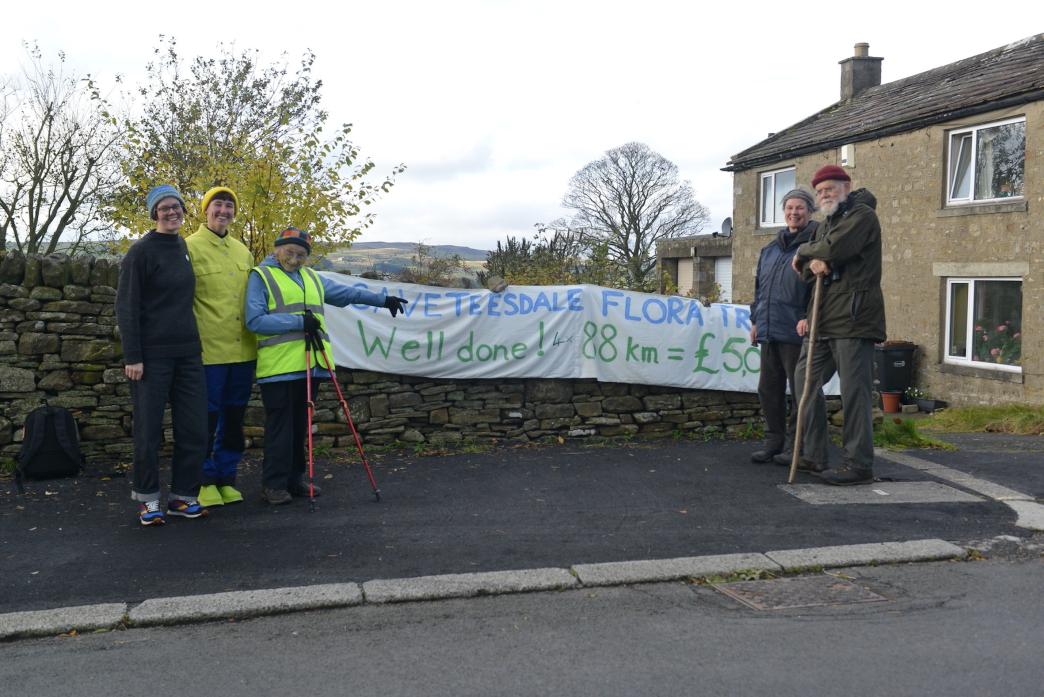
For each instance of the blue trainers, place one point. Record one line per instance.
(149, 513)
(185, 509)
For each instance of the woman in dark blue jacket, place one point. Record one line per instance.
(778, 323)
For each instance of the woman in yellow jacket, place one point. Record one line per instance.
(221, 264)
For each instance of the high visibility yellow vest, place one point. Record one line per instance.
(280, 354)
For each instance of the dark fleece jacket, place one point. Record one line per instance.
(852, 306)
(154, 300)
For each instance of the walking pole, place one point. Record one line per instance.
(311, 409)
(800, 426)
(348, 417)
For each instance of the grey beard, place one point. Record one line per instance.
(830, 208)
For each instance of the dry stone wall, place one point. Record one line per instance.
(59, 345)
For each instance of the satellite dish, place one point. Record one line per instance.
(726, 227)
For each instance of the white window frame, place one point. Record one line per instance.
(970, 281)
(771, 178)
(950, 155)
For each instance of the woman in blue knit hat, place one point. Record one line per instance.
(162, 360)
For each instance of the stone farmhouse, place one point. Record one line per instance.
(955, 157)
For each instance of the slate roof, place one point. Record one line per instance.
(1006, 76)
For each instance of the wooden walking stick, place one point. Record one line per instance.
(800, 426)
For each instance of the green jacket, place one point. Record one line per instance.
(852, 304)
(222, 266)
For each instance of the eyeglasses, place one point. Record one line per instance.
(163, 210)
(294, 255)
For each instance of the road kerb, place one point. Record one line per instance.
(82, 618)
(246, 604)
(656, 570)
(1030, 514)
(243, 604)
(859, 555)
(446, 586)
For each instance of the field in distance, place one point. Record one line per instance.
(392, 257)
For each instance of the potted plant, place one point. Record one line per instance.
(924, 403)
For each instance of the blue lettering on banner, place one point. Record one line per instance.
(457, 295)
(743, 318)
(653, 310)
(574, 296)
(429, 302)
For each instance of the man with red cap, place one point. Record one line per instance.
(845, 251)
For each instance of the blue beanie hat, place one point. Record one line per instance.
(159, 193)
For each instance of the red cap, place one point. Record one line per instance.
(830, 172)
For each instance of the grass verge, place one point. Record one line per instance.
(899, 434)
(1019, 419)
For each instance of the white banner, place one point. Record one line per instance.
(548, 332)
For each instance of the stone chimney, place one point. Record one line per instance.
(860, 72)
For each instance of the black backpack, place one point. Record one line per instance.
(50, 446)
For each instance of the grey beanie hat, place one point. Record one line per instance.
(802, 194)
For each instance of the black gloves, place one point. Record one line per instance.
(311, 324)
(394, 304)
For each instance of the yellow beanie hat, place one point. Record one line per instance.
(207, 197)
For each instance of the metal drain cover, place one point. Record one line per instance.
(802, 591)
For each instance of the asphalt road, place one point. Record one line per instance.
(946, 629)
(73, 542)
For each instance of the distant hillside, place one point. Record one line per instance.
(439, 250)
(391, 257)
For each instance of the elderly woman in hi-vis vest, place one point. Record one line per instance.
(284, 305)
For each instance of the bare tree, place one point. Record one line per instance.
(429, 269)
(57, 158)
(630, 199)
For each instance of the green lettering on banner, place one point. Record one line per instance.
(641, 354)
(605, 351)
(484, 353)
(410, 345)
(702, 354)
(377, 344)
(752, 351)
(727, 351)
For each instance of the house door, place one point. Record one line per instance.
(685, 276)
(723, 277)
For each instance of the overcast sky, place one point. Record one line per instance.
(494, 105)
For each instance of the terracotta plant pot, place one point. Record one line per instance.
(890, 402)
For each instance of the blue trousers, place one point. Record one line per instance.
(228, 391)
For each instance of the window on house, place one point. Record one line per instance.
(984, 322)
(773, 186)
(986, 162)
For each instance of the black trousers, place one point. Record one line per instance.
(286, 427)
(778, 368)
(181, 382)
